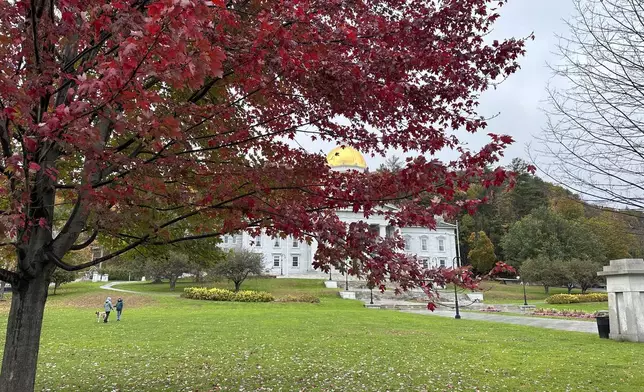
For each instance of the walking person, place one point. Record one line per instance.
(108, 308)
(119, 309)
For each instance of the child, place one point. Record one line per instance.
(119, 309)
(108, 308)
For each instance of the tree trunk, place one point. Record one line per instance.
(570, 287)
(237, 286)
(546, 289)
(173, 282)
(55, 287)
(2, 286)
(23, 335)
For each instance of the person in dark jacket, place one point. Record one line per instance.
(108, 308)
(119, 309)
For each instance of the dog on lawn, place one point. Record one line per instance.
(100, 316)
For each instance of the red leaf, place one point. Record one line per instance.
(30, 144)
(34, 167)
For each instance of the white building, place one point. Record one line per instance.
(288, 257)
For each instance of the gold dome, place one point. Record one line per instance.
(346, 156)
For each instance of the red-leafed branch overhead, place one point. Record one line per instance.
(144, 115)
(147, 122)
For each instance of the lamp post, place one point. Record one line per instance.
(525, 297)
(346, 281)
(457, 261)
(371, 301)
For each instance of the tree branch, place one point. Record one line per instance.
(86, 243)
(9, 276)
(67, 267)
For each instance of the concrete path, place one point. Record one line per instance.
(539, 322)
(109, 285)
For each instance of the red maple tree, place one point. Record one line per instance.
(163, 121)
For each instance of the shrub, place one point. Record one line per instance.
(253, 296)
(216, 294)
(299, 298)
(576, 298)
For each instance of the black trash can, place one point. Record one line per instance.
(603, 326)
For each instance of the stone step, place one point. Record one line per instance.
(416, 296)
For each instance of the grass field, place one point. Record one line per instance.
(278, 287)
(495, 292)
(167, 343)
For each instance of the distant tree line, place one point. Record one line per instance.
(545, 230)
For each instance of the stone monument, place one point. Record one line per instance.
(625, 287)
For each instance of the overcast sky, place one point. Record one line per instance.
(519, 100)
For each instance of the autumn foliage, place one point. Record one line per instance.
(156, 122)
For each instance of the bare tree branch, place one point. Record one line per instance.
(593, 142)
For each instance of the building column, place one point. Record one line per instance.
(625, 288)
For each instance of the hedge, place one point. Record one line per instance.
(576, 298)
(299, 298)
(216, 294)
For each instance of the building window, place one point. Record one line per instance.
(276, 261)
(442, 262)
(407, 243)
(296, 261)
(225, 239)
(441, 245)
(234, 239)
(425, 263)
(423, 244)
(258, 241)
(276, 243)
(296, 243)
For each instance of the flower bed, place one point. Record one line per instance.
(576, 298)
(490, 309)
(216, 294)
(563, 313)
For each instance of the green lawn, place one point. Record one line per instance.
(497, 293)
(167, 343)
(278, 287)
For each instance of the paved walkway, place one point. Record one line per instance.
(539, 322)
(109, 285)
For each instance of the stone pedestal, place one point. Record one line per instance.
(625, 286)
(348, 294)
(331, 284)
